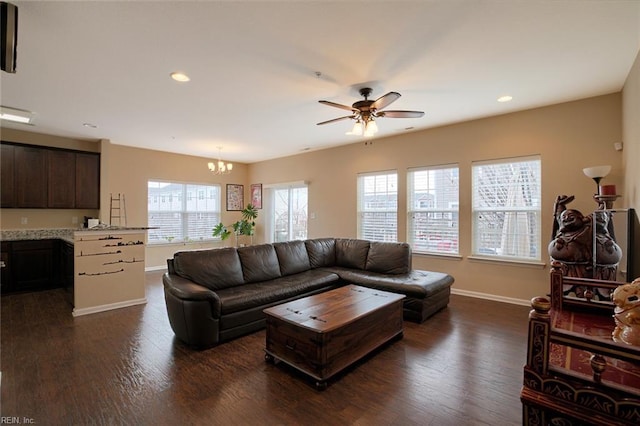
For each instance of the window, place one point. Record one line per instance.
(289, 213)
(378, 206)
(178, 215)
(506, 208)
(432, 197)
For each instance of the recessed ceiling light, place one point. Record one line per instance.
(505, 98)
(180, 76)
(16, 115)
(92, 126)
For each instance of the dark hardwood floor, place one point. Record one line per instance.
(463, 366)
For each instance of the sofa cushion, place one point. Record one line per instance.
(418, 284)
(292, 256)
(321, 251)
(389, 258)
(214, 268)
(351, 253)
(274, 291)
(259, 263)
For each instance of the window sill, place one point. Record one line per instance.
(509, 262)
(182, 243)
(438, 255)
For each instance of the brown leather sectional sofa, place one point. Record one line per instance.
(216, 295)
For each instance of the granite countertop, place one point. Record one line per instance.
(65, 234)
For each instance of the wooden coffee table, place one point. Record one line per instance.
(322, 334)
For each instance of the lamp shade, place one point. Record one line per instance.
(596, 171)
(357, 128)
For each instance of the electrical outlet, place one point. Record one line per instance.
(24, 220)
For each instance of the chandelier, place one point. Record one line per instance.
(220, 167)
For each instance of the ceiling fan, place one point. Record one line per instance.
(366, 111)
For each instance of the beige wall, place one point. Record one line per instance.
(567, 136)
(126, 170)
(631, 137)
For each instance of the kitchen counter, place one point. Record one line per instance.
(65, 234)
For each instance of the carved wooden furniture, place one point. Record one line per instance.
(575, 373)
(321, 335)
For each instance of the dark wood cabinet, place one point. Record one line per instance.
(5, 267)
(30, 176)
(41, 177)
(7, 192)
(66, 269)
(30, 265)
(33, 265)
(87, 183)
(61, 179)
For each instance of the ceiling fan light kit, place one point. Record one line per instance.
(365, 112)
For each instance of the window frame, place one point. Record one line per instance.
(533, 212)
(187, 194)
(453, 211)
(362, 210)
(272, 219)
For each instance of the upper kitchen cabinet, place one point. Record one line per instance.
(7, 181)
(87, 181)
(30, 176)
(41, 177)
(62, 179)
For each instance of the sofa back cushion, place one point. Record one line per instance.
(351, 253)
(389, 258)
(214, 268)
(259, 263)
(292, 256)
(321, 251)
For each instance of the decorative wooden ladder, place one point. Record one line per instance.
(118, 210)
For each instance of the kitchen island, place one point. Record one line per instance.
(102, 267)
(108, 269)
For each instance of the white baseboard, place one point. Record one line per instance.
(155, 268)
(110, 306)
(493, 297)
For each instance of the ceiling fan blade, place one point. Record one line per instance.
(385, 100)
(400, 114)
(333, 104)
(336, 119)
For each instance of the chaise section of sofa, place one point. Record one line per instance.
(216, 295)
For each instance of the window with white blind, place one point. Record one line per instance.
(506, 208)
(432, 208)
(182, 212)
(378, 206)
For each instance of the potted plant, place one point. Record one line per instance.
(245, 226)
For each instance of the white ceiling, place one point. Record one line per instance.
(253, 65)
